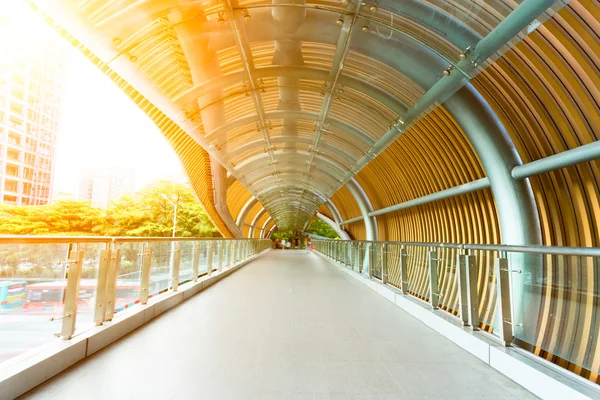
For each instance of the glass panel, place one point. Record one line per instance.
(486, 288)
(393, 264)
(417, 271)
(556, 304)
(160, 268)
(377, 271)
(448, 279)
(89, 284)
(129, 276)
(203, 248)
(32, 284)
(185, 266)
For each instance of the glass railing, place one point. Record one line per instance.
(60, 286)
(540, 298)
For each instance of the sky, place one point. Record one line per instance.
(100, 127)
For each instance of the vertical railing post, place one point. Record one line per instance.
(175, 263)
(359, 246)
(145, 281)
(347, 253)
(71, 299)
(195, 261)
(463, 300)
(433, 278)
(221, 249)
(111, 284)
(383, 257)
(472, 296)
(367, 258)
(403, 261)
(503, 299)
(229, 251)
(209, 259)
(103, 267)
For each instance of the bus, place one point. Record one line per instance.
(48, 297)
(12, 294)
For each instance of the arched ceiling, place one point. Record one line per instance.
(295, 97)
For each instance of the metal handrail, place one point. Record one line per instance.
(535, 249)
(34, 239)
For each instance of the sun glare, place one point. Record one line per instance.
(20, 28)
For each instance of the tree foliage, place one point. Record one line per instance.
(145, 213)
(320, 228)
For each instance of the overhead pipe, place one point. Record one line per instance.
(578, 155)
(587, 152)
(219, 174)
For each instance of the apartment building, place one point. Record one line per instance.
(31, 80)
(101, 187)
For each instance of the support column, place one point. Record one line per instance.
(517, 210)
(370, 222)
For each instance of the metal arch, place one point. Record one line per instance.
(295, 71)
(246, 53)
(329, 147)
(337, 217)
(520, 7)
(248, 163)
(517, 208)
(274, 197)
(341, 233)
(245, 210)
(278, 202)
(282, 206)
(318, 171)
(250, 120)
(365, 208)
(264, 226)
(451, 30)
(254, 221)
(258, 186)
(259, 181)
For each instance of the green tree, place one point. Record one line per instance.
(148, 212)
(63, 217)
(320, 228)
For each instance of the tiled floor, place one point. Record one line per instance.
(287, 326)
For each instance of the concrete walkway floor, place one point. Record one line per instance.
(287, 326)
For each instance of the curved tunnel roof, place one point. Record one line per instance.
(295, 97)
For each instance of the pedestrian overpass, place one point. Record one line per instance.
(452, 145)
